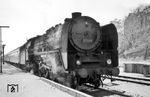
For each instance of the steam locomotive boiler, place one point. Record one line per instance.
(91, 49)
(78, 51)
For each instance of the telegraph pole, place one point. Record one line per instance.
(1, 47)
(3, 52)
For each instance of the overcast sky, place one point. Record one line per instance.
(28, 18)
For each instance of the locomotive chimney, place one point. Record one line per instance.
(76, 14)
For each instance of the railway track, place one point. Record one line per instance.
(68, 90)
(132, 80)
(87, 91)
(101, 92)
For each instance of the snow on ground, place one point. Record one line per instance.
(32, 86)
(133, 89)
(28, 85)
(147, 62)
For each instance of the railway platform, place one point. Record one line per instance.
(16, 83)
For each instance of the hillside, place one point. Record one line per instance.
(134, 34)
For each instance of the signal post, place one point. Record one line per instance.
(1, 48)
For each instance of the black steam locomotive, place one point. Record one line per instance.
(76, 52)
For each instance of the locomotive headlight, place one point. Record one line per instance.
(78, 62)
(109, 61)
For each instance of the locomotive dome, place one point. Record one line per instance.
(85, 33)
